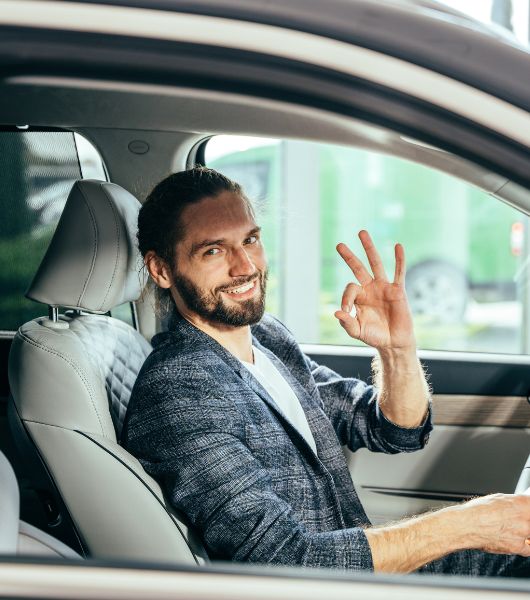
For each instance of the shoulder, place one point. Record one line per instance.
(170, 361)
(184, 389)
(271, 329)
(182, 370)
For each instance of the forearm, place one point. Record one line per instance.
(410, 544)
(403, 391)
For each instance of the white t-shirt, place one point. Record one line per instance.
(281, 392)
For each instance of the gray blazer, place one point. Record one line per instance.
(228, 459)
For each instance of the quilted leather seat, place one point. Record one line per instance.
(71, 377)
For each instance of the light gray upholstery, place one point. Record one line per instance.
(18, 537)
(87, 370)
(71, 381)
(117, 353)
(34, 542)
(9, 511)
(92, 262)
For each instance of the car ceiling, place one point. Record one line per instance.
(171, 118)
(175, 116)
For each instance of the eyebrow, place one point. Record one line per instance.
(206, 243)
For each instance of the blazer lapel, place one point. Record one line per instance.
(258, 389)
(313, 412)
(186, 333)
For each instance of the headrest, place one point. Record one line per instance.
(92, 262)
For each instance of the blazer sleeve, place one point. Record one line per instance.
(352, 407)
(196, 448)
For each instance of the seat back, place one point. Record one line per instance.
(71, 377)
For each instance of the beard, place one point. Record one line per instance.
(215, 309)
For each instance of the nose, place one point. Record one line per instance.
(240, 264)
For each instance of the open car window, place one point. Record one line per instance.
(465, 249)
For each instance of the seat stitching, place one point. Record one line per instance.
(94, 253)
(118, 363)
(128, 467)
(47, 424)
(46, 544)
(81, 376)
(120, 373)
(113, 208)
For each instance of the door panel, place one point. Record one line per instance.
(457, 463)
(479, 444)
(480, 411)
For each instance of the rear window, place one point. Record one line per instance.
(38, 170)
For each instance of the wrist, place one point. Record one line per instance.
(450, 528)
(410, 544)
(462, 531)
(399, 358)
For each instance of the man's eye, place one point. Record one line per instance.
(212, 252)
(252, 239)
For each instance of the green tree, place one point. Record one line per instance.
(17, 217)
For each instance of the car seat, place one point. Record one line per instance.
(71, 376)
(16, 536)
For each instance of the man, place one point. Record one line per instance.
(244, 432)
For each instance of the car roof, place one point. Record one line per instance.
(423, 32)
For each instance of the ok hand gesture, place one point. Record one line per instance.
(382, 317)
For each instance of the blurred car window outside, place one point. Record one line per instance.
(466, 250)
(38, 170)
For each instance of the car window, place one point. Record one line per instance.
(466, 251)
(38, 170)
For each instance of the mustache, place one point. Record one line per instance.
(237, 282)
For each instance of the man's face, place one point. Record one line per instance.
(220, 269)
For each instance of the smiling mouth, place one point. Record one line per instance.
(242, 289)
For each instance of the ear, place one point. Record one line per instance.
(158, 270)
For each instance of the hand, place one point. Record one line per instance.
(499, 523)
(382, 317)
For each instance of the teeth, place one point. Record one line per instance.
(242, 289)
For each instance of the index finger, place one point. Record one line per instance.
(357, 267)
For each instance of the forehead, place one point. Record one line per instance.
(224, 216)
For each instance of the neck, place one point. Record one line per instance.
(237, 340)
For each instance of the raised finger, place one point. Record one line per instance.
(357, 267)
(399, 273)
(351, 292)
(372, 255)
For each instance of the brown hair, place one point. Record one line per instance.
(159, 220)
